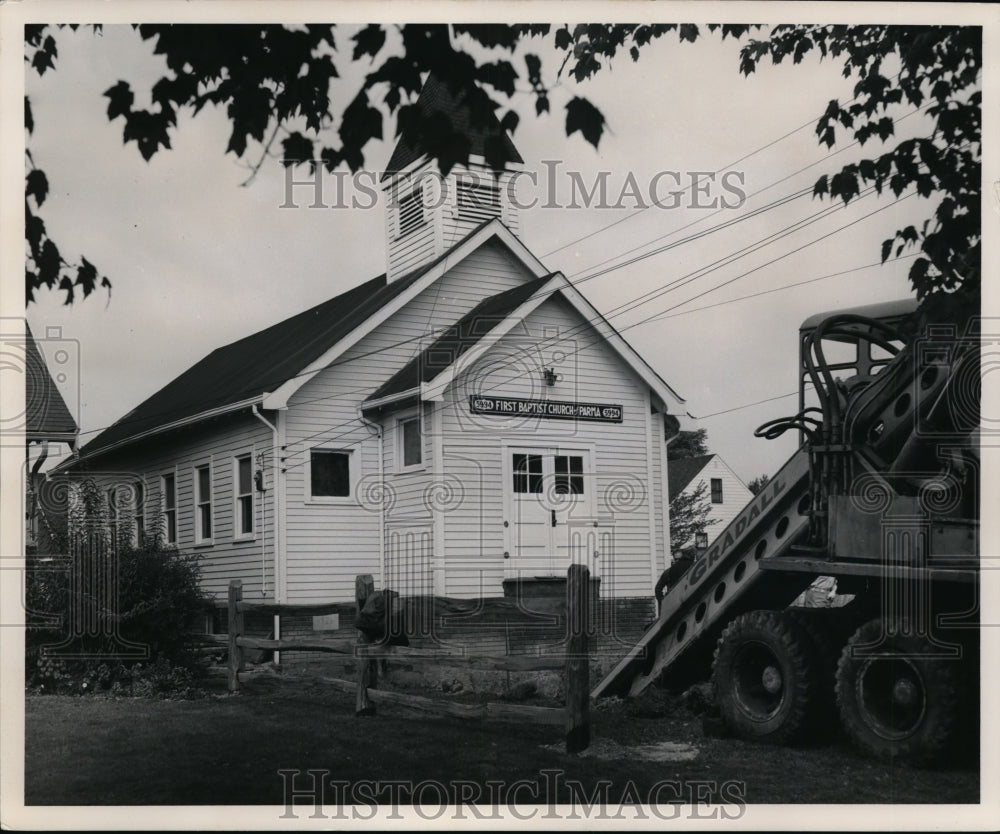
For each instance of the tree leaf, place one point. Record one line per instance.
(29, 120)
(369, 41)
(582, 116)
(296, 150)
(688, 32)
(120, 100)
(36, 185)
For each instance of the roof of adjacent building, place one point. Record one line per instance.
(447, 117)
(46, 414)
(683, 471)
(456, 340)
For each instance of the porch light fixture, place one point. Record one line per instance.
(551, 377)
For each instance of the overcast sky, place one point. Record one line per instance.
(198, 261)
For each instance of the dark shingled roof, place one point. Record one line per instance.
(259, 363)
(457, 339)
(682, 471)
(46, 414)
(436, 100)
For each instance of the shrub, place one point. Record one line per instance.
(109, 608)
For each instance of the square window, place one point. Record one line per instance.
(329, 474)
(410, 442)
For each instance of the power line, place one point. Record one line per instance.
(712, 289)
(662, 316)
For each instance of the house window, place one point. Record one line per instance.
(112, 501)
(203, 504)
(716, 490)
(410, 442)
(243, 484)
(528, 474)
(329, 474)
(139, 512)
(168, 499)
(569, 474)
(411, 212)
(478, 201)
(701, 541)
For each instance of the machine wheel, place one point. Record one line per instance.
(764, 681)
(897, 702)
(823, 652)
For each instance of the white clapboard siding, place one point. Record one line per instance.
(216, 443)
(591, 371)
(323, 413)
(735, 494)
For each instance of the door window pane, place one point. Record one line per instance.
(528, 474)
(569, 474)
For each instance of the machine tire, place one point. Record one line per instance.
(824, 650)
(764, 681)
(898, 702)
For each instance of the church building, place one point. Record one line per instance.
(465, 422)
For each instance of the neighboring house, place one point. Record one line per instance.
(464, 419)
(725, 493)
(48, 423)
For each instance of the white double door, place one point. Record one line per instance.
(549, 495)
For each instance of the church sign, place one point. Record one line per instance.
(553, 410)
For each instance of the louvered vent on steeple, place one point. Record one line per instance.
(427, 214)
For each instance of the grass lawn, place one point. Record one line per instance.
(229, 750)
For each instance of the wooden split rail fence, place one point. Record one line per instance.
(574, 717)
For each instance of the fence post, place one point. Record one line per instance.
(234, 628)
(364, 587)
(577, 659)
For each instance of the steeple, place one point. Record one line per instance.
(426, 213)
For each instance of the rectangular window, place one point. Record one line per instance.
(243, 483)
(569, 474)
(528, 474)
(411, 452)
(701, 540)
(203, 503)
(329, 474)
(716, 490)
(411, 212)
(168, 501)
(112, 500)
(139, 512)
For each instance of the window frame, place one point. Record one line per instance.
(711, 486)
(114, 515)
(140, 496)
(352, 477)
(238, 533)
(401, 420)
(168, 513)
(199, 539)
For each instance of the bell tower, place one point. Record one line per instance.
(427, 213)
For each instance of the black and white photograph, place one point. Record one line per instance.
(473, 414)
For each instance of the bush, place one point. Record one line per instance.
(112, 613)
